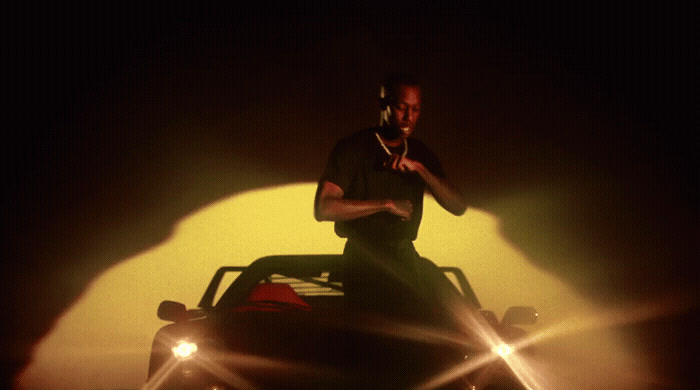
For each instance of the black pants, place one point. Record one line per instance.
(391, 278)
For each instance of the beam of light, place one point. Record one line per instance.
(189, 353)
(426, 334)
(519, 364)
(202, 360)
(103, 340)
(162, 374)
(387, 327)
(457, 371)
(224, 365)
(473, 323)
(616, 316)
(222, 373)
(247, 361)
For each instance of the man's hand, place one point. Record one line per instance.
(402, 208)
(403, 164)
(444, 192)
(331, 206)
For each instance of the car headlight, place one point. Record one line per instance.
(502, 350)
(184, 349)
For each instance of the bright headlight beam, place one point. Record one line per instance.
(502, 350)
(184, 349)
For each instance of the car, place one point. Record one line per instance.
(282, 322)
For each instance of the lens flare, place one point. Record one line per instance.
(535, 372)
(502, 350)
(224, 365)
(184, 350)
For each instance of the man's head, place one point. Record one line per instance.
(400, 102)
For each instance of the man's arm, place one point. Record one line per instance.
(330, 205)
(444, 192)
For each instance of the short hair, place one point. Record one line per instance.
(392, 82)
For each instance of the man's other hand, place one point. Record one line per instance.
(403, 164)
(402, 208)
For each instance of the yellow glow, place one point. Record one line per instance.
(103, 340)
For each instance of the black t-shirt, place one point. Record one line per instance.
(356, 166)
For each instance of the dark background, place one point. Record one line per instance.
(576, 125)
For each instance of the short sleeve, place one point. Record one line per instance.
(340, 166)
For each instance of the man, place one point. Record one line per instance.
(372, 188)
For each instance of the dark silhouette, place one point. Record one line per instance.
(373, 188)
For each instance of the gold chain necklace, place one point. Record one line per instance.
(405, 146)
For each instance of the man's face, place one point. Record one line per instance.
(404, 109)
